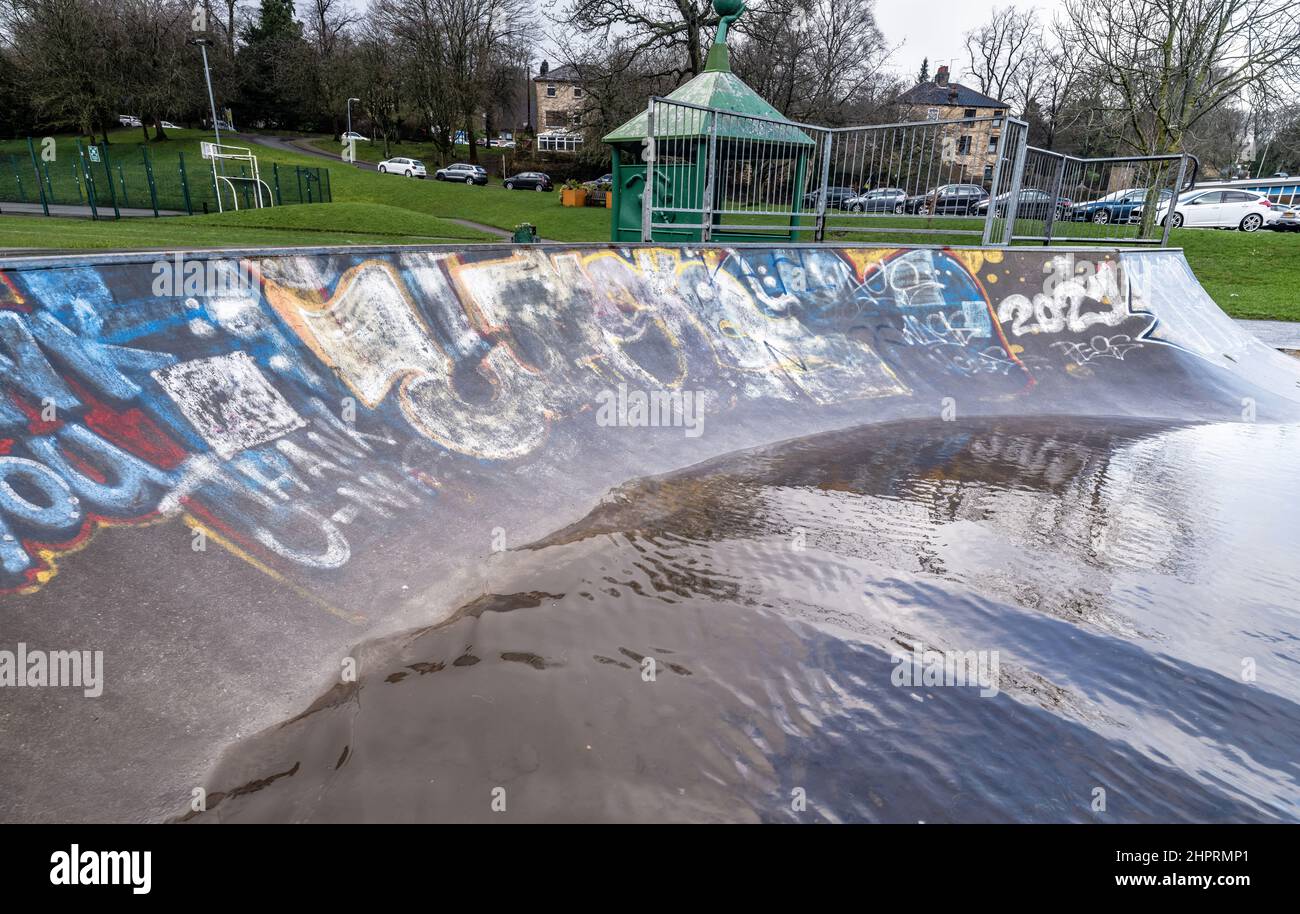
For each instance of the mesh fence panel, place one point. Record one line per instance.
(141, 178)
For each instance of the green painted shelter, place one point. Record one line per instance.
(683, 135)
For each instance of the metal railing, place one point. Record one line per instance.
(712, 172)
(1113, 199)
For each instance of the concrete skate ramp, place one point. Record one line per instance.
(224, 470)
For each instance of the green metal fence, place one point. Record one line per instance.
(105, 180)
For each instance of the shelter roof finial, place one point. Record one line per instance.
(730, 11)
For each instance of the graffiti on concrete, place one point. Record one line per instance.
(273, 414)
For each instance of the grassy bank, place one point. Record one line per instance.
(290, 226)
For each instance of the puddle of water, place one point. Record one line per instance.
(729, 643)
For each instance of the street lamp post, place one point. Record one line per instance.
(203, 46)
(350, 101)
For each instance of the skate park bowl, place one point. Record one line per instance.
(226, 470)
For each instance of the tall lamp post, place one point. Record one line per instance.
(203, 46)
(350, 101)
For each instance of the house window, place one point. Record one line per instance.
(575, 118)
(555, 117)
(932, 114)
(993, 143)
(550, 90)
(997, 123)
(988, 173)
(577, 92)
(969, 112)
(558, 142)
(963, 145)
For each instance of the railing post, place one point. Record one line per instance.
(36, 167)
(648, 154)
(1013, 192)
(1173, 201)
(820, 232)
(148, 176)
(89, 178)
(706, 207)
(108, 173)
(1050, 221)
(997, 179)
(275, 175)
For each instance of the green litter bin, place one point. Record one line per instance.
(525, 233)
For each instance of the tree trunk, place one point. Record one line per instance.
(158, 134)
(469, 138)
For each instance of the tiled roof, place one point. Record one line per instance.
(564, 73)
(935, 94)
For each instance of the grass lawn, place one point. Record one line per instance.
(293, 226)
(1249, 275)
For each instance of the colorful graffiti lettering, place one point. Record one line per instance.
(272, 414)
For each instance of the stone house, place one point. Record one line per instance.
(974, 149)
(558, 97)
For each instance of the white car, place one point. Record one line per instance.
(128, 120)
(1216, 208)
(168, 125)
(412, 168)
(355, 136)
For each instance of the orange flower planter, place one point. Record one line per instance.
(573, 197)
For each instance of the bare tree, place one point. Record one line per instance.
(999, 51)
(326, 27)
(1170, 63)
(816, 60)
(641, 27)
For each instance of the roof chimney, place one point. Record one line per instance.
(941, 76)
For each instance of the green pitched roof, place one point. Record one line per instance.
(721, 89)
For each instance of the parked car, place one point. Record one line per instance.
(602, 184)
(412, 168)
(1033, 204)
(466, 174)
(1285, 218)
(529, 180)
(128, 120)
(168, 125)
(878, 200)
(950, 199)
(353, 135)
(1209, 208)
(1116, 206)
(835, 197)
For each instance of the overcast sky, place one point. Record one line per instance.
(935, 28)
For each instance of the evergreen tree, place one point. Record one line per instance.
(272, 68)
(924, 76)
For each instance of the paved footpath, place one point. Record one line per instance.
(1278, 334)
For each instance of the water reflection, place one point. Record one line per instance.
(1136, 582)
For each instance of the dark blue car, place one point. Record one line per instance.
(1117, 206)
